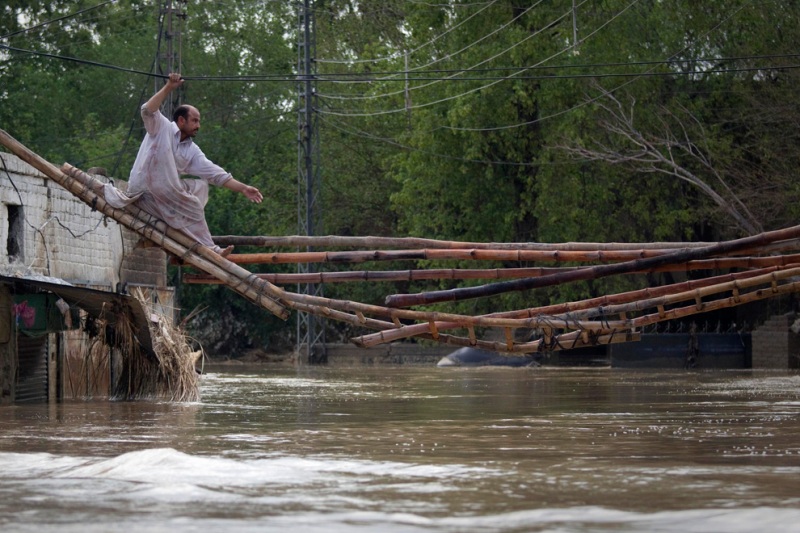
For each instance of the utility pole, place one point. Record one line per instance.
(174, 13)
(575, 50)
(310, 330)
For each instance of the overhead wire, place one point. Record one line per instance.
(599, 96)
(634, 77)
(476, 89)
(450, 56)
(409, 52)
(451, 5)
(670, 60)
(65, 17)
(394, 142)
(498, 79)
(252, 78)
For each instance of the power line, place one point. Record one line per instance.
(394, 142)
(327, 77)
(596, 98)
(400, 54)
(80, 61)
(25, 30)
(635, 76)
(667, 61)
(449, 56)
(400, 145)
(512, 76)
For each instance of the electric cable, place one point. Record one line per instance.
(396, 143)
(25, 30)
(399, 54)
(449, 56)
(667, 61)
(596, 98)
(476, 89)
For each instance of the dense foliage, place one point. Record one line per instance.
(504, 120)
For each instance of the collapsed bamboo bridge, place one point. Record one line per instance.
(758, 267)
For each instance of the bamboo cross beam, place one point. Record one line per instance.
(697, 295)
(335, 241)
(458, 320)
(575, 339)
(640, 294)
(465, 254)
(714, 305)
(578, 339)
(593, 272)
(351, 276)
(568, 341)
(565, 310)
(392, 275)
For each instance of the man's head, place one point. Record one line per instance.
(188, 120)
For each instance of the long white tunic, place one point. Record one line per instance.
(161, 160)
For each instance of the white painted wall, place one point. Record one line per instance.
(51, 216)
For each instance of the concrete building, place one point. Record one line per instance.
(61, 262)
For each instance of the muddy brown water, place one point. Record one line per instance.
(415, 450)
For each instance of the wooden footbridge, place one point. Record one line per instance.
(764, 267)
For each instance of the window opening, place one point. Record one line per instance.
(14, 240)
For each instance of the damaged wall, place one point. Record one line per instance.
(47, 233)
(44, 230)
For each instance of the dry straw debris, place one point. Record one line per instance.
(170, 375)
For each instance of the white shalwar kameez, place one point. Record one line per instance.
(155, 178)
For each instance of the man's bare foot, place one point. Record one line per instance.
(227, 251)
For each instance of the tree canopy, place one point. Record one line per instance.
(499, 120)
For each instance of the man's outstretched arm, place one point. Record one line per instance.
(252, 193)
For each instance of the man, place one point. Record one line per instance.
(166, 153)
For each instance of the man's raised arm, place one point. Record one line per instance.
(155, 101)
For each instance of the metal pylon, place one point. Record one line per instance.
(170, 60)
(310, 329)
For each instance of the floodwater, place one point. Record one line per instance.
(415, 450)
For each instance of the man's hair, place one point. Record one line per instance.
(182, 111)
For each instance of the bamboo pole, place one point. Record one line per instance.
(578, 339)
(357, 309)
(335, 241)
(396, 314)
(564, 310)
(696, 295)
(594, 272)
(475, 254)
(88, 190)
(465, 254)
(721, 303)
(630, 296)
(350, 276)
(391, 275)
(566, 341)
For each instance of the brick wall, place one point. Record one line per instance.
(775, 346)
(61, 237)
